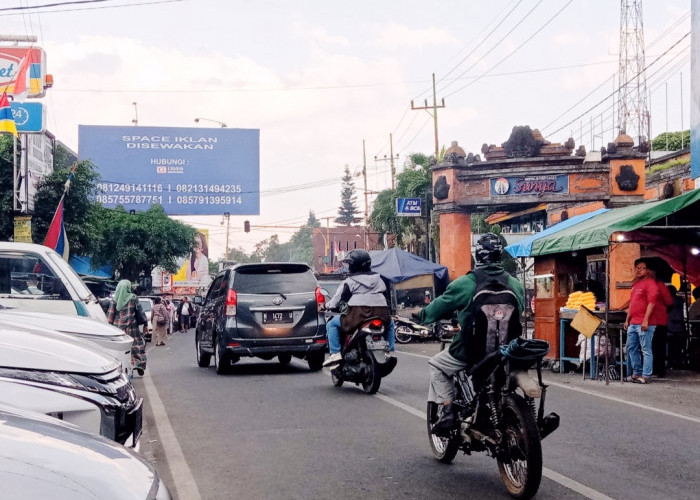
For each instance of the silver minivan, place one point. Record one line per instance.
(35, 278)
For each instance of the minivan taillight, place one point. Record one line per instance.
(320, 299)
(231, 301)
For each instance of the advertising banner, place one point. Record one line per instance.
(23, 229)
(10, 60)
(408, 207)
(189, 171)
(194, 271)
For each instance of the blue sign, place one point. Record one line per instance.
(539, 185)
(408, 207)
(28, 116)
(189, 171)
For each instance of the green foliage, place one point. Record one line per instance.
(136, 244)
(676, 141)
(76, 207)
(6, 186)
(347, 212)
(669, 164)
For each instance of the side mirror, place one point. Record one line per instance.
(325, 292)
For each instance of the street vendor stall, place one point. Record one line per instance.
(597, 253)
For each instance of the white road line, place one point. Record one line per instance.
(185, 484)
(619, 400)
(602, 396)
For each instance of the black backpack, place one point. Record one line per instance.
(495, 315)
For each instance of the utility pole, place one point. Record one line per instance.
(227, 216)
(364, 174)
(434, 107)
(391, 159)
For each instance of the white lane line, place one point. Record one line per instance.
(631, 403)
(602, 396)
(185, 484)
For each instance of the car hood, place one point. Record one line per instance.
(86, 328)
(34, 349)
(43, 458)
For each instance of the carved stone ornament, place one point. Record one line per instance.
(627, 179)
(522, 143)
(441, 189)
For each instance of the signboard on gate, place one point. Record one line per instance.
(188, 171)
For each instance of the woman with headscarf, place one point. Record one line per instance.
(125, 312)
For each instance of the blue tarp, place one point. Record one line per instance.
(83, 267)
(523, 248)
(397, 265)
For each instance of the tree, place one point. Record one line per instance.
(347, 212)
(135, 244)
(674, 141)
(77, 207)
(6, 187)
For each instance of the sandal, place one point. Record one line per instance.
(642, 380)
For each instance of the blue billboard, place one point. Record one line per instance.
(189, 171)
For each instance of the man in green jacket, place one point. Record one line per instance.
(466, 349)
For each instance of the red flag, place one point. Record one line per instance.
(21, 87)
(56, 237)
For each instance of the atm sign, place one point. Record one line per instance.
(408, 207)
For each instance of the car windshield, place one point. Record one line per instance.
(145, 304)
(262, 280)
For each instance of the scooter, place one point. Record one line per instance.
(408, 330)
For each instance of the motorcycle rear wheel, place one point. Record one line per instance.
(521, 464)
(444, 449)
(403, 334)
(372, 382)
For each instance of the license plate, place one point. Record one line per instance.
(377, 344)
(273, 317)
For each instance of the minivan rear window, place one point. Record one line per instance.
(260, 279)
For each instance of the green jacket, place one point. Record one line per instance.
(458, 296)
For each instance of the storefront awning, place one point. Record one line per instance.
(596, 231)
(523, 248)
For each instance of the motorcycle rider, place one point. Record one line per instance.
(458, 296)
(363, 291)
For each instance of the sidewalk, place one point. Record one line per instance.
(678, 392)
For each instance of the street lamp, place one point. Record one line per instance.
(221, 124)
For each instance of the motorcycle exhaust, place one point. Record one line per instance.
(549, 424)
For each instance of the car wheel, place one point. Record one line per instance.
(222, 362)
(203, 358)
(315, 360)
(284, 359)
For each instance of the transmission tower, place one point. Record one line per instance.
(633, 111)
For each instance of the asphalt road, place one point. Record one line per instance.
(269, 431)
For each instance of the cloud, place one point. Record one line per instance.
(395, 36)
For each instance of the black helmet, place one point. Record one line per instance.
(358, 261)
(488, 249)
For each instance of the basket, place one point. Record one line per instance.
(585, 322)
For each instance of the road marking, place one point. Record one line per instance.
(602, 396)
(631, 403)
(185, 484)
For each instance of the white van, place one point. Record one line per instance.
(111, 338)
(71, 379)
(36, 278)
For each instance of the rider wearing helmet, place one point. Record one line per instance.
(458, 296)
(363, 292)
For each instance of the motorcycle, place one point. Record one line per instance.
(366, 358)
(494, 418)
(408, 330)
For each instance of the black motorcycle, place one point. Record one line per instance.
(366, 358)
(495, 418)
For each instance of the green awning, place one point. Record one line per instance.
(596, 231)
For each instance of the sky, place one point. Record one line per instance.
(320, 77)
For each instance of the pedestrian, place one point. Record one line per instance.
(159, 322)
(659, 318)
(694, 309)
(640, 332)
(169, 307)
(125, 312)
(183, 313)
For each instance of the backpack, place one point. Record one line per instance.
(495, 319)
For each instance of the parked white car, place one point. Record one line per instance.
(35, 278)
(107, 336)
(72, 379)
(44, 458)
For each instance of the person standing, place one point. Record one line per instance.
(125, 312)
(640, 332)
(183, 314)
(169, 307)
(159, 320)
(659, 318)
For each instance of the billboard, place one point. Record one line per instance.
(10, 57)
(189, 171)
(695, 91)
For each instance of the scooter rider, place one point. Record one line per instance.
(458, 296)
(363, 291)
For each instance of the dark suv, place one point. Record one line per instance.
(263, 310)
